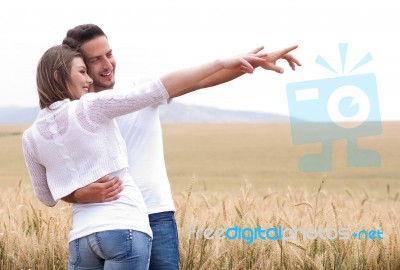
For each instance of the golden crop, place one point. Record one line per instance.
(228, 175)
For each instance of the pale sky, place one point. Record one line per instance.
(152, 37)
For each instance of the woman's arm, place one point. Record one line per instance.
(37, 174)
(267, 63)
(108, 104)
(210, 74)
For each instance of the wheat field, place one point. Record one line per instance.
(233, 175)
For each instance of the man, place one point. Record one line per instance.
(143, 135)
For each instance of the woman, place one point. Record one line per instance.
(74, 141)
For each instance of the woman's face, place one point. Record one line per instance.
(79, 81)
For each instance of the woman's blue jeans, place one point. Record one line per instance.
(114, 250)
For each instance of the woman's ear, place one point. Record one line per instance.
(56, 75)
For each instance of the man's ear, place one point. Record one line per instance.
(56, 76)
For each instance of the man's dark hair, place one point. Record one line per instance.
(82, 33)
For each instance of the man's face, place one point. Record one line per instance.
(100, 62)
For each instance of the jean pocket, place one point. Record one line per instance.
(73, 253)
(162, 218)
(115, 244)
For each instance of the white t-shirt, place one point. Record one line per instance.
(142, 133)
(128, 212)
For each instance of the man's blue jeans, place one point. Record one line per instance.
(165, 251)
(113, 250)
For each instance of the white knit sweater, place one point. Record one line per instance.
(74, 143)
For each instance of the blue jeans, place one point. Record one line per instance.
(165, 251)
(114, 250)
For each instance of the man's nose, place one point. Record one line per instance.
(106, 63)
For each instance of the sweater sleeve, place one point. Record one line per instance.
(108, 104)
(37, 174)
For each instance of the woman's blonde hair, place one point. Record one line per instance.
(53, 73)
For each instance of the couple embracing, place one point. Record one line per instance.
(100, 148)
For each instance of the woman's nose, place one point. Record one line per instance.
(89, 79)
